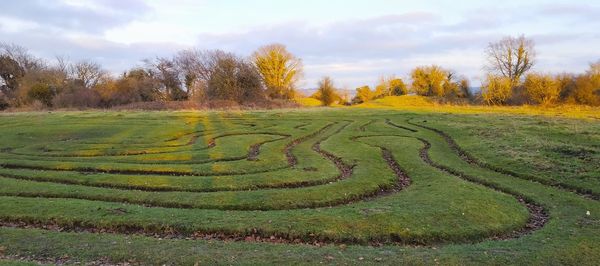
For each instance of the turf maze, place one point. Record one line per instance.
(358, 180)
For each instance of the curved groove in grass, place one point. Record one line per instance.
(389, 122)
(292, 161)
(127, 154)
(243, 235)
(538, 216)
(467, 157)
(345, 171)
(252, 153)
(365, 125)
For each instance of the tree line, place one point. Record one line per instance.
(269, 74)
(430, 81)
(272, 73)
(509, 80)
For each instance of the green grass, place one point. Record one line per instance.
(561, 151)
(120, 186)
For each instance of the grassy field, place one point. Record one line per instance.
(306, 186)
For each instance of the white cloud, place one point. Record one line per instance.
(12, 25)
(93, 16)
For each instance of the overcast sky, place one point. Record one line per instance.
(354, 42)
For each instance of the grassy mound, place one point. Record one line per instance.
(427, 105)
(399, 101)
(308, 102)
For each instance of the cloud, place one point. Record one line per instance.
(354, 51)
(376, 36)
(579, 11)
(91, 16)
(358, 51)
(115, 57)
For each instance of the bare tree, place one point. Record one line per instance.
(189, 63)
(63, 64)
(138, 79)
(87, 72)
(234, 79)
(511, 57)
(168, 74)
(196, 64)
(22, 56)
(196, 68)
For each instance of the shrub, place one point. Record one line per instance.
(40, 85)
(397, 87)
(327, 91)
(41, 92)
(496, 90)
(77, 96)
(117, 92)
(430, 81)
(363, 94)
(135, 86)
(3, 102)
(566, 84)
(463, 86)
(390, 86)
(587, 90)
(518, 96)
(542, 88)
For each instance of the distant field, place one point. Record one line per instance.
(331, 185)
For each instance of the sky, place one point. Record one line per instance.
(355, 42)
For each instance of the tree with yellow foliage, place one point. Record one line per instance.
(397, 87)
(363, 94)
(542, 88)
(496, 89)
(429, 80)
(279, 69)
(390, 86)
(381, 89)
(587, 86)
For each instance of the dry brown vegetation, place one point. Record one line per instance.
(199, 79)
